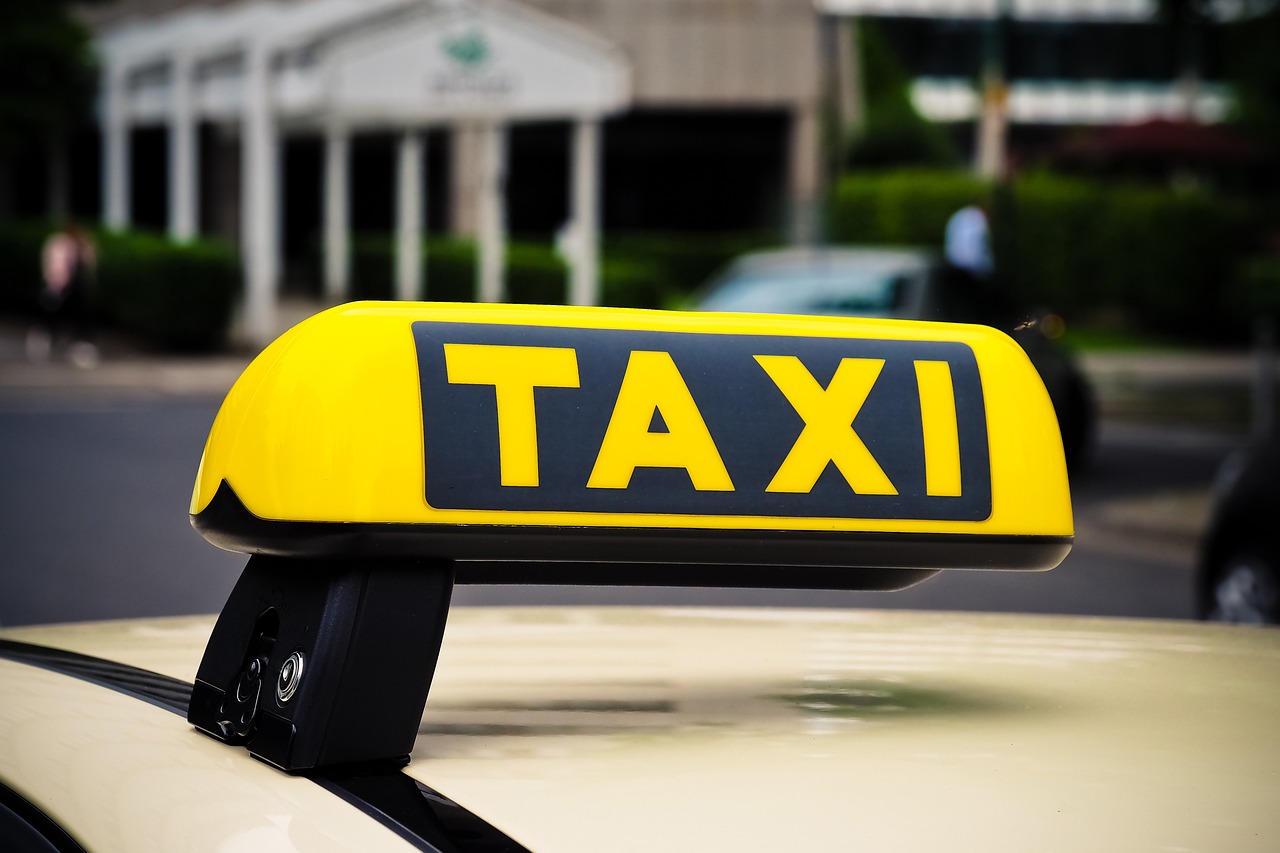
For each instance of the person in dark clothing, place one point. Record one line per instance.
(68, 262)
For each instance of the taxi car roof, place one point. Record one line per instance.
(745, 729)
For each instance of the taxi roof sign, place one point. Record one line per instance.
(379, 453)
(562, 444)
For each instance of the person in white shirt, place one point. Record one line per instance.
(968, 242)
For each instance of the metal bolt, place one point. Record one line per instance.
(290, 677)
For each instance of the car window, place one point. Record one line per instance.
(842, 289)
(26, 829)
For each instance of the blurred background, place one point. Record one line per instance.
(180, 181)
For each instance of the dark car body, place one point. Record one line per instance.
(1238, 577)
(907, 284)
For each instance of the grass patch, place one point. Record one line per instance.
(1096, 339)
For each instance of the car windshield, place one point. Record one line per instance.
(858, 288)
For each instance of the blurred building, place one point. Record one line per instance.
(1061, 64)
(230, 117)
(281, 124)
(1069, 62)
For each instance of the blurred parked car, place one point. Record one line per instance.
(1238, 578)
(908, 284)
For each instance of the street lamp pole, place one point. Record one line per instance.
(993, 120)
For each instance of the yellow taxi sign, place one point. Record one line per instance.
(700, 423)
(538, 434)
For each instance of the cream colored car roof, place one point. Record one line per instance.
(583, 729)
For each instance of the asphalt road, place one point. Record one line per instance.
(1139, 507)
(93, 525)
(93, 512)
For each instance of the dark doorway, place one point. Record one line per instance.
(696, 170)
(149, 178)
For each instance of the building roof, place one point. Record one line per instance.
(371, 61)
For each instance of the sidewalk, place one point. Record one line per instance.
(125, 369)
(1187, 388)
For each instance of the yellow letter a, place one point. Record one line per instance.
(651, 382)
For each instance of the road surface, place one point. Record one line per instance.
(94, 497)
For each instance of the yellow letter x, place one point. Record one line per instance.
(828, 434)
(652, 383)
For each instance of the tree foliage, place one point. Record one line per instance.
(893, 132)
(1255, 71)
(47, 72)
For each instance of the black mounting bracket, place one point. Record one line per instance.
(315, 663)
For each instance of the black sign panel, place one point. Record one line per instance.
(745, 422)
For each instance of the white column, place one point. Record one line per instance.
(259, 246)
(492, 213)
(806, 176)
(848, 70)
(993, 120)
(584, 256)
(184, 185)
(464, 179)
(409, 217)
(115, 147)
(337, 242)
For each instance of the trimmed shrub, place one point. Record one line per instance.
(372, 267)
(664, 269)
(533, 273)
(536, 275)
(451, 271)
(171, 295)
(906, 208)
(1057, 246)
(1256, 290)
(21, 278)
(632, 283)
(636, 270)
(1162, 260)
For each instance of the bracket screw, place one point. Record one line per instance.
(290, 677)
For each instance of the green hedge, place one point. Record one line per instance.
(171, 295)
(534, 274)
(674, 265)
(174, 296)
(1165, 261)
(21, 279)
(1256, 290)
(636, 270)
(906, 208)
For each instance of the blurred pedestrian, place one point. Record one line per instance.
(968, 281)
(968, 242)
(69, 263)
